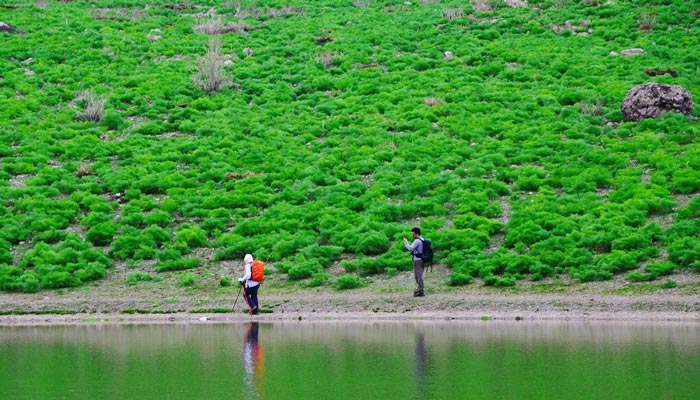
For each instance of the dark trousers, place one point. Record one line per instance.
(418, 273)
(251, 294)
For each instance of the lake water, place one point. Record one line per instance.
(353, 360)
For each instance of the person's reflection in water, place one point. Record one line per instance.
(254, 363)
(422, 368)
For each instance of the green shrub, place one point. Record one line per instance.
(669, 284)
(372, 243)
(185, 280)
(661, 268)
(287, 245)
(102, 234)
(138, 244)
(304, 269)
(213, 226)
(685, 252)
(5, 254)
(317, 279)
(96, 218)
(588, 274)
(235, 247)
(136, 277)
(225, 281)
(345, 282)
(159, 218)
(396, 258)
(50, 236)
(617, 261)
(691, 210)
(68, 263)
(190, 236)
(325, 255)
(113, 121)
(460, 279)
(637, 276)
(527, 233)
(686, 181)
(499, 281)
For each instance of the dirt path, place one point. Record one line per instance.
(110, 300)
(314, 306)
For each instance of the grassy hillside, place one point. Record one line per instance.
(172, 136)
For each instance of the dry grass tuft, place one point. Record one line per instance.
(214, 25)
(84, 169)
(432, 101)
(593, 110)
(94, 106)
(326, 59)
(452, 14)
(647, 22)
(361, 3)
(209, 70)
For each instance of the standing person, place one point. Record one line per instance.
(416, 249)
(249, 285)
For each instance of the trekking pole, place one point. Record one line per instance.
(234, 303)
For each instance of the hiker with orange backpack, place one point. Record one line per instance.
(252, 277)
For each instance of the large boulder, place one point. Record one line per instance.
(6, 28)
(650, 100)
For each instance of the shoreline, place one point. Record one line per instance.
(32, 320)
(72, 310)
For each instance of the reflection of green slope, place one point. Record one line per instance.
(511, 154)
(347, 360)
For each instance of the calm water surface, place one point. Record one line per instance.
(353, 360)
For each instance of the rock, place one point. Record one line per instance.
(6, 28)
(632, 52)
(650, 100)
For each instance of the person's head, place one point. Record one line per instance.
(415, 231)
(248, 258)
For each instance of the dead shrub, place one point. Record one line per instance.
(84, 169)
(209, 26)
(452, 14)
(284, 11)
(93, 106)
(214, 25)
(593, 110)
(209, 70)
(658, 72)
(481, 5)
(326, 59)
(647, 22)
(431, 101)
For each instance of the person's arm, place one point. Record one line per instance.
(247, 268)
(413, 246)
(247, 271)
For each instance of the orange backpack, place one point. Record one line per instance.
(257, 271)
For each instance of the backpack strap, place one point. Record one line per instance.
(422, 241)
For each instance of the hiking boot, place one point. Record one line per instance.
(418, 293)
(255, 311)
